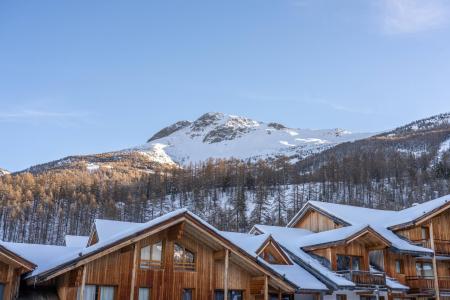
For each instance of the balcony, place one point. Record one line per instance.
(442, 247)
(365, 278)
(427, 282)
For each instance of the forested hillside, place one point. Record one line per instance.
(391, 170)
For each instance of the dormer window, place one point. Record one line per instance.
(273, 254)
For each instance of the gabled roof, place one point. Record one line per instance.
(105, 229)
(76, 240)
(344, 214)
(290, 243)
(293, 240)
(303, 279)
(39, 256)
(417, 213)
(353, 215)
(340, 235)
(135, 231)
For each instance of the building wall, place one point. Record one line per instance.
(166, 283)
(316, 222)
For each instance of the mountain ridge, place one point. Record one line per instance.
(213, 135)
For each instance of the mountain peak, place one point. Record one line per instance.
(220, 135)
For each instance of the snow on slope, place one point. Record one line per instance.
(3, 172)
(217, 135)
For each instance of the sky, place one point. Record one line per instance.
(79, 77)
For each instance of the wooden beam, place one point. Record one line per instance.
(436, 279)
(225, 275)
(83, 283)
(176, 232)
(134, 269)
(219, 255)
(266, 287)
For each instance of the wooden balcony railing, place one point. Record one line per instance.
(442, 247)
(365, 278)
(150, 264)
(422, 243)
(427, 282)
(184, 266)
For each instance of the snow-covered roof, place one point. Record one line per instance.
(108, 228)
(115, 236)
(38, 254)
(343, 233)
(291, 242)
(76, 240)
(355, 215)
(288, 231)
(417, 211)
(249, 242)
(109, 234)
(293, 273)
(348, 213)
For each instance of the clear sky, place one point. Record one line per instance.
(88, 76)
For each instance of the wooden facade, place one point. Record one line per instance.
(188, 258)
(316, 221)
(12, 267)
(426, 276)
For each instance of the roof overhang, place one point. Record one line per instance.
(351, 238)
(16, 259)
(422, 219)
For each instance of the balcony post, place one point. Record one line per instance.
(225, 275)
(436, 279)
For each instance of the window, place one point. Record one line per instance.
(346, 262)
(424, 269)
(343, 263)
(183, 258)
(2, 290)
(144, 294)
(94, 292)
(106, 293)
(270, 258)
(356, 263)
(341, 297)
(151, 256)
(187, 294)
(232, 295)
(399, 266)
(424, 233)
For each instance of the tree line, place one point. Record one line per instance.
(230, 194)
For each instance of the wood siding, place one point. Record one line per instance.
(165, 282)
(316, 222)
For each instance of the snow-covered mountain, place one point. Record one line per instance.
(218, 135)
(440, 121)
(213, 135)
(3, 172)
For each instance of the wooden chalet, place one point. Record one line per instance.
(425, 270)
(176, 256)
(328, 251)
(12, 266)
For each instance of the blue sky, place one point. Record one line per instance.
(82, 77)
